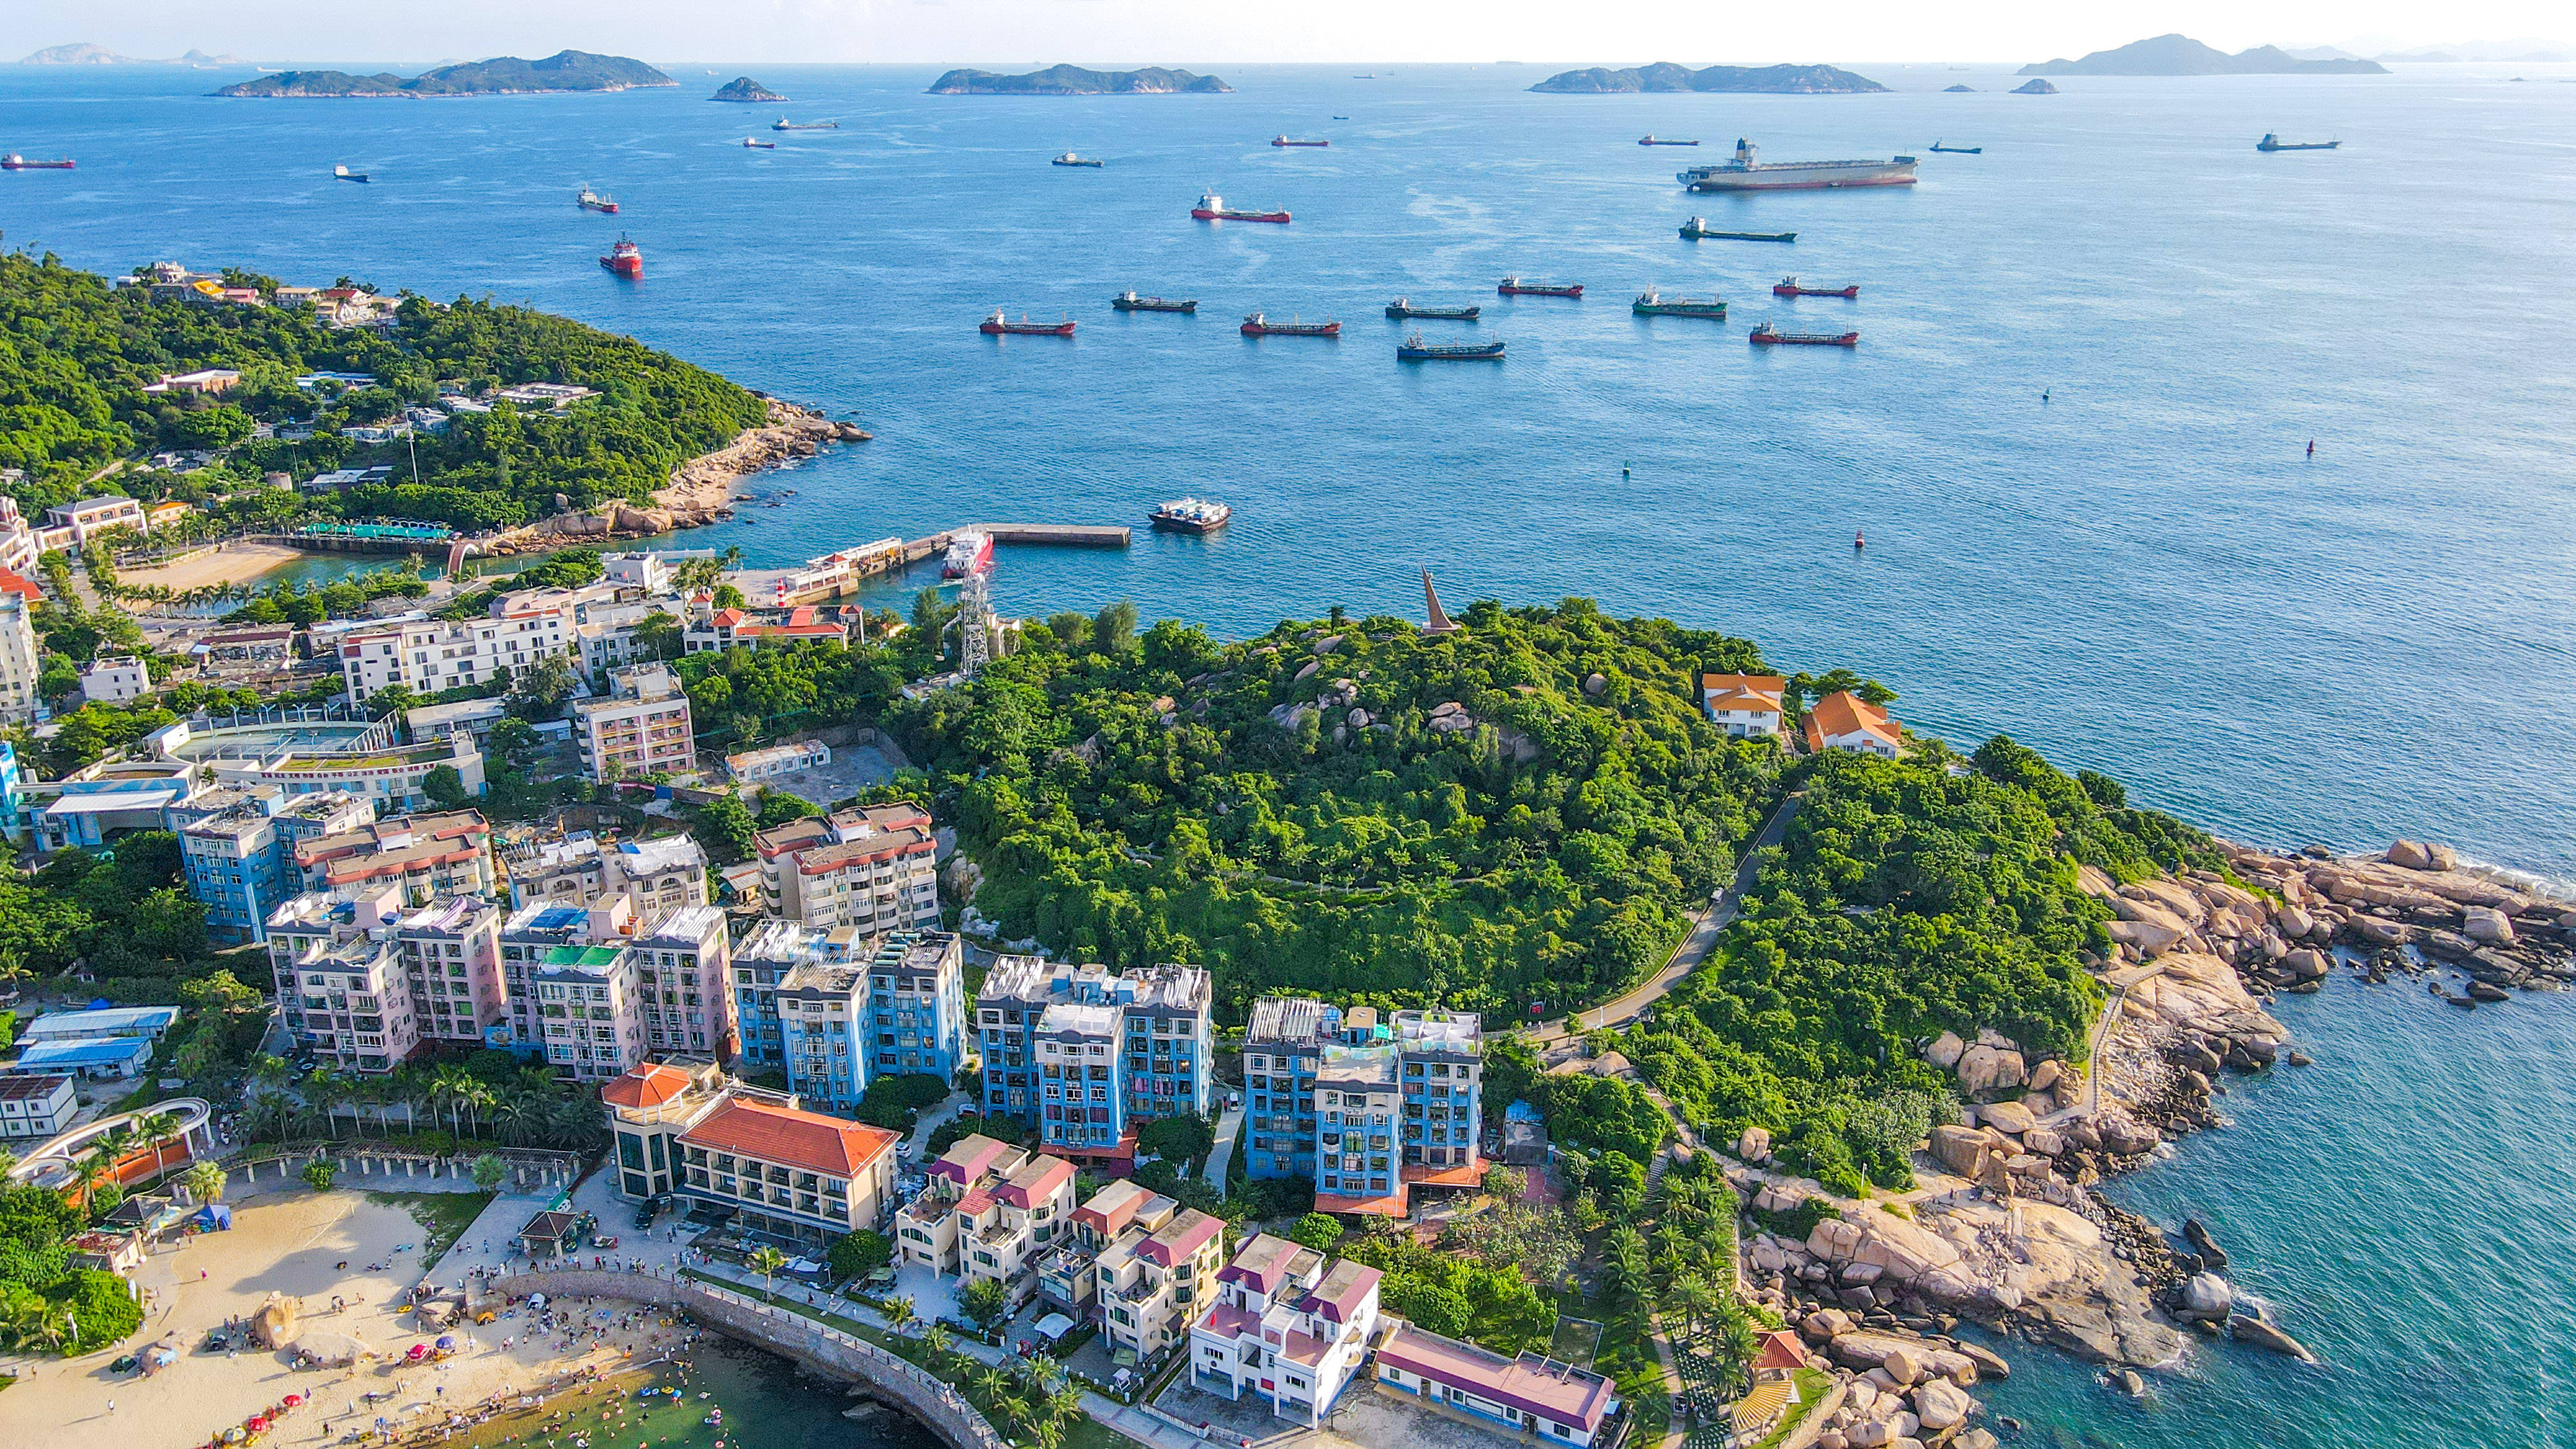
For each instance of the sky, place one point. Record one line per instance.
(1120, 33)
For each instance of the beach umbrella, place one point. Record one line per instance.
(294, 1399)
(257, 1423)
(447, 1340)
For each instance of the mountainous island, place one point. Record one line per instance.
(2182, 55)
(2034, 88)
(1792, 80)
(85, 53)
(743, 88)
(1073, 80)
(507, 75)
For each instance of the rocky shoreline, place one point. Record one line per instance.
(700, 491)
(2006, 1227)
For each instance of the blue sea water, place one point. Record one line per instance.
(2144, 574)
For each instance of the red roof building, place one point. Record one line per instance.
(794, 1175)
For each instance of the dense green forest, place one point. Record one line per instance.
(1163, 798)
(76, 354)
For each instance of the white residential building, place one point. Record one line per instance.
(1289, 1328)
(642, 728)
(18, 652)
(114, 680)
(1744, 705)
(874, 869)
(17, 541)
(769, 762)
(1845, 721)
(36, 1108)
(430, 655)
(87, 518)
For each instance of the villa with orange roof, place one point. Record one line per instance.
(1845, 721)
(1746, 706)
(1289, 1326)
(796, 1176)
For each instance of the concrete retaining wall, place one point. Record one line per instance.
(825, 1350)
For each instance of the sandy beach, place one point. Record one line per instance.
(235, 562)
(294, 1241)
(705, 483)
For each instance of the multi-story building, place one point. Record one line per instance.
(1743, 705)
(452, 957)
(1289, 1328)
(642, 728)
(1088, 1055)
(1066, 1279)
(430, 655)
(18, 551)
(763, 960)
(988, 1211)
(839, 1009)
(822, 1021)
(341, 980)
(1554, 1403)
(682, 961)
(443, 854)
(662, 875)
(114, 679)
(37, 1107)
(764, 629)
(87, 518)
(1367, 1111)
(875, 869)
(590, 1013)
(18, 661)
(648, 1108)
(239, 856)
(1152, 1277)
(794, 1175)
(917, 1004)
(534, 933)
(1845, 721)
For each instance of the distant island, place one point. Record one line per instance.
(1073, 80)
(2034, 88)
(508, 75)
(2182, 55)
(88, 54)
(744, 88)
(1958, 90)
(1796, 80)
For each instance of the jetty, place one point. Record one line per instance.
(838, 574)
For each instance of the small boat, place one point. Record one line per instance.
(1402, 309)
(1515, 287)
(1284, 141)
(1341, 118)
(999, 325)
(341, 172)
(784, 124)
(1651, 139)
(1958, 150)
(969, 553)
(1414, 349)
(1258, 326)
(1128, 301)
(756, 144)
(2271, 142)
(1070, 159)
(15, 162)
(1788, 287)
(1192, 515)
(1212, 207)
(625, 259)
(1697, 229)
(1651, 303)
(1767, 335)
(590, 200)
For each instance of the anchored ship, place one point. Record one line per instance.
(999, 325)
(1258, 326)
(1652, 303)
(1651, 139)
(1192, 515)
(1284, 141)
(759, 145)
(340, 172)
(1070, 159)
(1958, 150)
(15, 162)
(1414, 349)
(590, 200)
(1768, 335)
(784, 124)
(1697, 229)
(1748, 173)
(1128, 301)
(1401, 309)
(969, 553)
(1515, 287)
(1212, 207)
(1789, 287)
(626, 259)
(2271, 142)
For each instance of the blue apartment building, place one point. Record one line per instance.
(917, 1003)
(838, 1009)
(237, 850)
(823, 1032)
(1366, 1110)
(1087, 1055)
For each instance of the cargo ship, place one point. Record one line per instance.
(969, 553)
(1958, 150)
(1402, 309)
(15, 162)
(1767, 335)
(1697, 229)
(1749, 173)
(1284, 141)
(999, 325)
(1192, 515)
(1414, 349)
(1212, 207)
(590, 200)
(341, 173)
(759, 145)
(1070, 159)
(626, 259)
(1651, 303)
(784, 124)
(1129, 302)
(2271, 142)
(1258, 326)
(1651, 139)
(1515, 287)
(1788, 287)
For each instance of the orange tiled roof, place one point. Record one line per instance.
(1743, 691)
(649, 1085)
(792, 1138)
(1846, 713)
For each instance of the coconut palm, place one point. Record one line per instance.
(900, 1314)
(767, 1261)
(991, 1382)
(935, 1345)
(477, 1094)
(156, 1129)
(1047, 1433)
(205, 1182)
(1012, 1408)
(1062, 1404)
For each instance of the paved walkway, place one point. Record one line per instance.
(931, 1121)
(1228, 1127)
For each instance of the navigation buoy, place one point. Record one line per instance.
(1858, 541)
(2043, 394)
(1623, 466)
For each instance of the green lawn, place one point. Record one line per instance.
(444, 1216)
(1812, 1386)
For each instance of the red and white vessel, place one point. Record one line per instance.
(1789, 287)
(1288, 141)
(1767, 335)
(1212, 207)
(968, 554)
(625, 259)
(1000, 325)
(15, 162)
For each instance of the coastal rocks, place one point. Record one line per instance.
(1961, 1149)
(1755, 1145)
(2045, 1075)
(2246, 1328)
(1984, 1069)
(2010, 1117)
(1945, 1050)
(2409, 854)
(2197, 1233)
(2488, 926)
(2206, 1296)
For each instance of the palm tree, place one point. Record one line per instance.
(1013, 1408)
(442, 1088)
(157, 1128)
(322, 1094)
(935, 1344)
(990, 1382)
(1047, 1433)
(205, 1182)
(899, 1312)
(1062, 1404)
(477, 1095)
(767, 1260)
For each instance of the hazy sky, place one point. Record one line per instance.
(1209, 32)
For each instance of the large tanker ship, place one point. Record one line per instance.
(1746, 173)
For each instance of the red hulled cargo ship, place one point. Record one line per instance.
(625, 259)
(1767, 335)
(15, 162)
(1789, 287)
(1000, 325)
(1212, 207)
